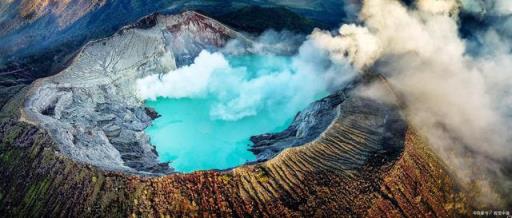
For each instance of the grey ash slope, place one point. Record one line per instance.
(91, 110)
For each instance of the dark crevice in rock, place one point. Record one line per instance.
(49, 111)
(146, 22)
(151, 113)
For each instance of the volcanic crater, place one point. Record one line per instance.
(343, 152)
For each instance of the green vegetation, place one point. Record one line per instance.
(35, 194)
(12, 134)
(262, 175)
(12, 100)
(226, 178)
(9, 157)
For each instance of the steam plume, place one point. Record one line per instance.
(299, 80)
(460, 101)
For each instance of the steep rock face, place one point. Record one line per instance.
(91, 110)
(307, 125)
(352, 169)
(189, 33)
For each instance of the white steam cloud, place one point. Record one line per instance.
(187, 81)
(298, 81)
(459, 101)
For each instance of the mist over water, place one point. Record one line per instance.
(212, 107)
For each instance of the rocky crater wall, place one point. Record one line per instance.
(91, 110)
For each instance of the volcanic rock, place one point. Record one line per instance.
(91, 108)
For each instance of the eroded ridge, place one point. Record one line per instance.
(363, 131)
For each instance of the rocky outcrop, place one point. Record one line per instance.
(189, 35)
(313, 121)
(91, 110)
(307, 125)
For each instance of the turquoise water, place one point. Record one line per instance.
(188, 135)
